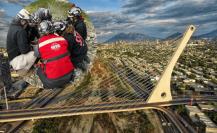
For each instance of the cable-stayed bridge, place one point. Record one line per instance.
(137, 92)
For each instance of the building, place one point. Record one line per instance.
(206, 107)
(195, 111)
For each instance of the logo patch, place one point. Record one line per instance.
(79, 39)
(55, 46)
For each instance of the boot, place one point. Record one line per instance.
(82, 66)
(87, 59)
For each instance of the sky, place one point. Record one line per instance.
(157, 18)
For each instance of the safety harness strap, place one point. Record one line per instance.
(56, 58)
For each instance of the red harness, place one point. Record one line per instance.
(55, 56)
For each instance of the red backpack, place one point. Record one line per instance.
(55, 57)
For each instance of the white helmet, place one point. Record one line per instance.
(75, 11)
(45, 27)
(59, 26)
(23, 14)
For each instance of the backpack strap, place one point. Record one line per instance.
(56, 58)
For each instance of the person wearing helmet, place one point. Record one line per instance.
(77, 48)
(18, 48)
(36, 17)
(40, 15)
(59, 27)
(75, 18)
(56, 68)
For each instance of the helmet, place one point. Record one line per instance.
(44, 14)
(23, 14)
(35, 18)
(45, 27)
(75, 11)
(59, 26)
(41, 14)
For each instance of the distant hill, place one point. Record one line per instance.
(130, 37)
(210, 35)
(175, 35)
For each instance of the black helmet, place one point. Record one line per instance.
(45, 27)
(41, 14)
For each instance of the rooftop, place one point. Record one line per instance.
(195, 110)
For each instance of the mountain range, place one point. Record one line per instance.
(210, 35)
(130, 37)
(175, 35)
(139, 36)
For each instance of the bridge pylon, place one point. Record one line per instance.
(162, 91)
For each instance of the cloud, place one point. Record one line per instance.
(20, 2)
(2, 12)
(109, 19)
(108, 22)
(3, 31)
(188, 10)
(159, 18)
(3, 28)
(102, 33)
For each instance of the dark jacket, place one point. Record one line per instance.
(17, 41)
(78, 52)
(81, 28)
(32, 33)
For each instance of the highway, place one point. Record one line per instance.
(185, 123)
(40, 101)
(170, 123)
(40, 113)
(30, 114)
(167, 125)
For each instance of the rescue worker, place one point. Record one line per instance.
(41, 14)
(32, 32)
(56, 68)
(19, 51)
(36, 17)
(77, 47)
(75, 18)
(59, 27)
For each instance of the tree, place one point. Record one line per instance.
(45, 126)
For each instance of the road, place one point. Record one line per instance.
(166, 123)
(29, 114)
(40, 113)
(40, 101)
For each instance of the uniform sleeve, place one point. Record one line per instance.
(71, 43)
(82, 30)
(85, 32)
(22, 42)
